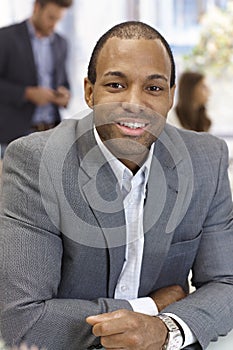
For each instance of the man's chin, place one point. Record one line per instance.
(46, 33)
(127, 149)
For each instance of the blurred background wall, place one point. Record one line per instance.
(200, 33)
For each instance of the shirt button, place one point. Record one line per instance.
(124, 288)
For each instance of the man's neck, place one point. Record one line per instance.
(132, 165)
(38, 33)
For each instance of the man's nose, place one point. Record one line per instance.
(133, 101)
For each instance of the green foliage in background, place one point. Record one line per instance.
(214, 52)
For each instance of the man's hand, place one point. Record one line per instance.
(167, 295)
(39, 95)
(128, 330)
(61, 96)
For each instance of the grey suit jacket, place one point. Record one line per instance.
(63, 233)
(18, 70)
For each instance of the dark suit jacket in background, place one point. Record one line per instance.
(62, 253)
(17, 71)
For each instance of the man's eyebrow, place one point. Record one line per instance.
(115, 74)
(157, 76)
(122, 75)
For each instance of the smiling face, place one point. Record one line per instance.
(131, 96)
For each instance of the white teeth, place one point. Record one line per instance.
(133, 125)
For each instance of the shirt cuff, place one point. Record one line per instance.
(144, 305)
(189, 337)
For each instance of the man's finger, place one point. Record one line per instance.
(92, 320)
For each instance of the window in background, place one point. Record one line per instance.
(180, 21)
(14, 10)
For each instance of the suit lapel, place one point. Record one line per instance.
(102, 192)
(55, 51)
(169, 192)
(26, 47)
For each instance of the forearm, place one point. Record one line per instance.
(205, 311)
(34, 311)
(57, 323)
(31, 266)
(165, 296)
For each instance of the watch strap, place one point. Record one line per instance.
(174, 339)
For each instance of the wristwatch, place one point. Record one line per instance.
(174, 339)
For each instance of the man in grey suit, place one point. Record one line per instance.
(33, 77)
(104, 217)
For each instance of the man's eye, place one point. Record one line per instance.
(116, 85)
(154, 88)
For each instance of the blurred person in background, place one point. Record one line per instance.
(33, 78)
(190, 111)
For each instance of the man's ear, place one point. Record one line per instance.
(88, 89)
(37, 7)
(172, 94)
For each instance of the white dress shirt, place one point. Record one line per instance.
(134, 191)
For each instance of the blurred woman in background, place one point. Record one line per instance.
(190, 109)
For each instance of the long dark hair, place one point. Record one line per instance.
(190, 118)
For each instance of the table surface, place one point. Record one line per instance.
(223, 343)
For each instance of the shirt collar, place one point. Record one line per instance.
(32, 32)
(118, 167)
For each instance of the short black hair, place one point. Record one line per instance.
(129, 30)
(62, 3)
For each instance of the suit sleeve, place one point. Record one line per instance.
(209, 310)
(30, 265)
